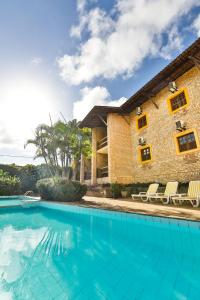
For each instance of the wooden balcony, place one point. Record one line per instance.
(102, 143)
(87, 175)
(102, 172)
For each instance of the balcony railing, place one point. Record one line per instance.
(87, 175)
(102, 172)
(102, 143)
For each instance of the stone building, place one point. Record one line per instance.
(154, 135)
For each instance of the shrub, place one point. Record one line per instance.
(9, 185)
(116, 190)
(28, 174)
(61, 189)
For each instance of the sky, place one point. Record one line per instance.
(63, 57)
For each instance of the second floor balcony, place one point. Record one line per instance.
(87, 175)
(102, 172)
(102, 145)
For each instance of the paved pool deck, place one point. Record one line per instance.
(132, 206)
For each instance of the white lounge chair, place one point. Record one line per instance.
(193, 195)
(170, 190)
(145, 195)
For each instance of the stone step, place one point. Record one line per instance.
(98, 191)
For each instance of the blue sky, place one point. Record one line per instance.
(66, 56)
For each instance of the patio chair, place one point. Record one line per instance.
(145, 195)
(193, 195)
(170, 190)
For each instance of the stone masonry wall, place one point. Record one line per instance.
(166, 164)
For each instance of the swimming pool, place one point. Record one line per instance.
(13, 200)
(64, 252)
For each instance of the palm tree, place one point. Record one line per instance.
(63, 141)
(61, 146)
(41, 143)
(81, 145)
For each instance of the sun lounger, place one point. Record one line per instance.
(193, 195)
(170, 190)
(145, 195)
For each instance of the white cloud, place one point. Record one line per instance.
(174, 43)
(98, 23)
(81, 4)
(90, 97)
(196, 25)
(118, 43)
(36, 61)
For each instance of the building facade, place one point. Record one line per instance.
(154, 135)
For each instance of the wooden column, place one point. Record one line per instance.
(94, 157)
(82, 169)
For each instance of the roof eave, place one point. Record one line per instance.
(96, 116)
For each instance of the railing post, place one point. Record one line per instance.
(102, 143)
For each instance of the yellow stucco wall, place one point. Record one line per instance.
(120, 153)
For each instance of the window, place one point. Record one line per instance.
(178, 100)
(145, 154)
(186, 141)
(142, 122)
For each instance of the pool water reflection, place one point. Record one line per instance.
(84, 254)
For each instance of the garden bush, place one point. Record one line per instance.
(61, 189)
(28, 174)
(9, 185)
(116, 190)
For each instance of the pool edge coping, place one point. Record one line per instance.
(114, 209)
(130, 212)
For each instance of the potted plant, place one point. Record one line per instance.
(124, 192)
(107, 192)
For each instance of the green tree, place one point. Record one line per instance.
(9, 185)
(81, 144)
(61, 145)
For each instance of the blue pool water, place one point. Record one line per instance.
(12, 200)
(72, 253)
